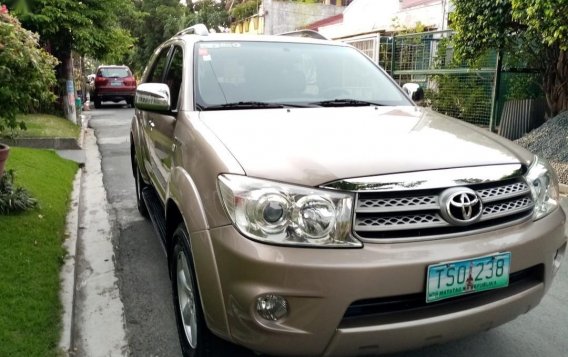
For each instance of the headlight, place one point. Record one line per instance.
(544, 187)
(278, 213)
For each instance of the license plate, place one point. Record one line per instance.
(116, 84)
(451, 279)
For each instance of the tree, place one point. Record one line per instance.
(162, 19)
(158, 21)
(211, 13)
(90, 27)
(532, 32)
(26, 73)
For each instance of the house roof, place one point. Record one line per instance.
(335, 19)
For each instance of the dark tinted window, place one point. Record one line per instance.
(159, 67)
(174, 75)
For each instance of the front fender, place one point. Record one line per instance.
(185, 197)
(183, 191)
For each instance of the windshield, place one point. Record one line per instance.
(293, 74)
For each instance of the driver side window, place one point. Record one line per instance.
(175, 74)
(157, 73)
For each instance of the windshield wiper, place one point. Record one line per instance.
(345, 102)
(242, 105)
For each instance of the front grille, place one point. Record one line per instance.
(417, 214)
(414, 306)
(500, 192)
(396, 203)
(405, 221)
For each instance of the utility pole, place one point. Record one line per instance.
(69, 100)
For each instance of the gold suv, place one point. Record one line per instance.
(308, 208)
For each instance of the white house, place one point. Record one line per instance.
(373, 16)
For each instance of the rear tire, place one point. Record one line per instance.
(140, 185)
(97, 103)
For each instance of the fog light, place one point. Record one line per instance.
(557, 261)
(271, 307)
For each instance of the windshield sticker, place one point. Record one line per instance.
(220, 45)
(207, 58)
(203, 52)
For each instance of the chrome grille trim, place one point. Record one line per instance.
(413, 215)
(393, 223)
(507, 208)
(503, 192)
(432, 179)
(397, 204)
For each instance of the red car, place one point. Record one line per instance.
(114, 83)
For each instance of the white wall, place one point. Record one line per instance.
(289, 16)
(364, 16)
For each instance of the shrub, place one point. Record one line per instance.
(26, 74)
(245, 9)
(14, 199)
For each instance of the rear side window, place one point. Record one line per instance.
(114, 72)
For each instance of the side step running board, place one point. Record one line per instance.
(156, 212)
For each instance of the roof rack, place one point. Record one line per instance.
(305, 33)
(199, 29)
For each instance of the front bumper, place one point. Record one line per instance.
(321, 284)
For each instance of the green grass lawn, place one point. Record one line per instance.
(31, 255)
(45, 125)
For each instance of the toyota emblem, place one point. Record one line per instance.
(461, 206)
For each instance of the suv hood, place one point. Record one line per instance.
(312, 146)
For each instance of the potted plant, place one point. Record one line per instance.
(4, 151)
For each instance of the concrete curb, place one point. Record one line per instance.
(563, 189)
(67, 274)
(94, 309)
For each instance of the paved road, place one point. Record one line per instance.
(145, 288)
(141, 264)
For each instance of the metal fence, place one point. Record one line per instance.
(377, 47)
(451, 87)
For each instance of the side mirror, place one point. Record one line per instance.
(414, 91)
(153, 97)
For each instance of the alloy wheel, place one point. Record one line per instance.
(186, 299)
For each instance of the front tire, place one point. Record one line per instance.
(195, 338)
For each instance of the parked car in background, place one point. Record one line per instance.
(114, 83)
(309, 208)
